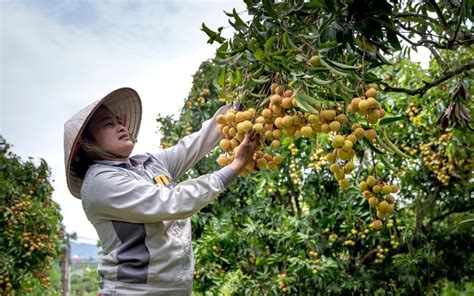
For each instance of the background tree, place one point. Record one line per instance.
(293, 229)
(30, 224)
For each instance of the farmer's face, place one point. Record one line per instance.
(109, 133)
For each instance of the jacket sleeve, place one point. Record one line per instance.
(190, 149)
(112, 194)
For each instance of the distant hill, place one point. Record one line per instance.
(84, 250)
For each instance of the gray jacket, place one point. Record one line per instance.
(143, 219)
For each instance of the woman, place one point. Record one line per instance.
(141, 216)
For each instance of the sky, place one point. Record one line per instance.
(56, 57)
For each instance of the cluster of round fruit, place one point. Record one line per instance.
(270, 124)
(367, 106)
(318, 160)
(438, 163)
(380, 254)
(282, 278)
(343, 152)
(412, 111)
(373, 189)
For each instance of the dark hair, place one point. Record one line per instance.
(81, 161)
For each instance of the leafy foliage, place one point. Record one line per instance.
(30, 224)
(293, 230)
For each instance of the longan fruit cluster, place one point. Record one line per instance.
(412, 111)
(379, 196)
(367, 106)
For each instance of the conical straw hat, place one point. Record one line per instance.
(124, 103)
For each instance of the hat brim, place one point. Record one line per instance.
(124, 103)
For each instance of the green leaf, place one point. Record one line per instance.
(334, 71)
(371, 146)
(238, 78)
(261, 80)
(213, 36)
(269, 43)
(301, 102)
(393, 40)
(268, 5)
(258, 54)
(238, 21)
(222, 77)
(328, 44)
(387, 120)
(342, 66)
(287, 41)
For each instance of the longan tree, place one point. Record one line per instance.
(363, 181)
(31, 227)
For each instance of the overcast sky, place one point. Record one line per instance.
(59, 56)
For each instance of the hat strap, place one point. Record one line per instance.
(95, 148)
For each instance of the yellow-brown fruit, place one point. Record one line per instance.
(367, 194)
(258, 127)
(377, 224)
(249, 114)
(390, 199)
(275, 99)
(240, 136)
(225, 131)
(371, 92)
(347, 145)
(363, 105)
(338, 141)
(232, 132)
(370, 134)
(268, 135)
(279, 90)
(331, 157)
(287, 103)
(373, 104)
(381, 113)
(334, 168)
(371, 181)
(376, 188)
(373, 201)
(344, 183)
(313, 118)
(335, 126)
(325, 128)
(297, 134)
(373, 116)
(234, 143)
(355, 102)
(222, 160)
(339, 175)
(225, 144)
(260, 119)
(383, 206)
(315, 60)
(363, 186)
(355, 126)
(275, 144)
(386, 189)
(261, 163)
(276, 134)
(277, 109)
(267, 113)
(273, 87)
(351, 109)
(239, 117)
(230, 118)
(349, 167)
(343, 154)
(290, 130)
(220, 119)
(307, 131)
(287, 120)
(278, 122)
(277, 159)
(359, 132)
(287, 93)
(330, 115)
(352, 138)
(394, 188)
(342, 118)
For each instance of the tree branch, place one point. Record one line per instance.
(444, 215)
(421, 212)
(421, 90)
(441, 18)
(424, 16)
